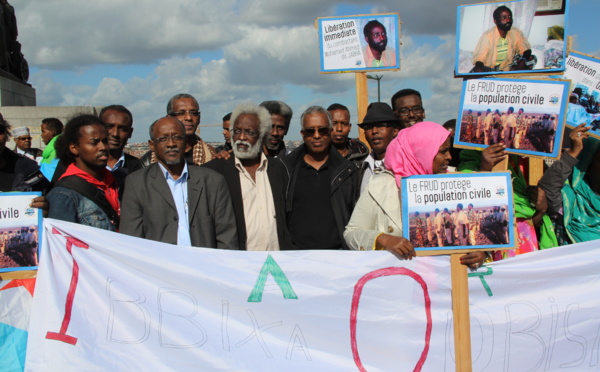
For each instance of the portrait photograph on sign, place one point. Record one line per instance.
(19, 231)
(458, 211)
(527, 116)
(584, 106)
(359, 43)
(510, 37)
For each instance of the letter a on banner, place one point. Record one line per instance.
(271, 267)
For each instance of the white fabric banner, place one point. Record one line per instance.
(107, 302)
(141, 305)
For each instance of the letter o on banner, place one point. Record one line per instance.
(358, 288)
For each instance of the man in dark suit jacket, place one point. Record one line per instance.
(257, 183)
(173, 203)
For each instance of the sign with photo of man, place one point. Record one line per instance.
(509, 37)
(359, 43)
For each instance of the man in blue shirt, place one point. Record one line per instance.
(172, 202)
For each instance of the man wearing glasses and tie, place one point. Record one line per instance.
(323, 187)
(185, 108)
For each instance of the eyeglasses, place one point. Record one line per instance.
(309, 132)
(417, 110)
(247, 132)
(183, 112)
(164, 139)
(376, 125)
(24, 138)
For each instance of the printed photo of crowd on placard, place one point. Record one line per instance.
(18, 246)
(514, 127)
(460, 226)
(584, 108)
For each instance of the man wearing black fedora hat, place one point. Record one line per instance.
(381, 126)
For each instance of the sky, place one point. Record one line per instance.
(140, 53)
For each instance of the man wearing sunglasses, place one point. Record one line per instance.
(185, 108)
(323, 187)
(256, 182)
(23, 147)
(381, 127)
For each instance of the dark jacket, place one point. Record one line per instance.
(26, 173)
(345, 185)
(131, 165)
(278, 179)
(357, 151)
(149, 211)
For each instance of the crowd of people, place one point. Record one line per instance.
(520, 130)
(20, 244)
(332, 192)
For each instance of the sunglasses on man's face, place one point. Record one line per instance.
(24, 138)
(309, 132)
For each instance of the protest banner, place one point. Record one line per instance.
(19, 228)
(458, 211)
(526, 115)
(15, 308)
(584, 73)
(105, 301)
(535, 38)
(359, 43)
(141, 305)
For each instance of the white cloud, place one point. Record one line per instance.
(60, 34)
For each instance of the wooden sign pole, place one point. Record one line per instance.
(460, 313)
(362, 101)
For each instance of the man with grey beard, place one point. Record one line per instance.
(174, 203)
(257, 183)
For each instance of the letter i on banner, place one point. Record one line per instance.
(62, 334)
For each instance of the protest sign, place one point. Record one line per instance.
(19, 228)
(584, 73)
(534, 37)
(141, 305)
(526, 115)
(359, 43)
(105, 301)
(458, 211)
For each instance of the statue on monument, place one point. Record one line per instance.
(11, 58)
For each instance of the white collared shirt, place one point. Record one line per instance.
(259, 208)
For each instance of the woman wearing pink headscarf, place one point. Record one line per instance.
(376, 222)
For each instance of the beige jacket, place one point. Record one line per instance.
(377, 211)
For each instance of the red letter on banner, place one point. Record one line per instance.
(356, 299)
(62, 334)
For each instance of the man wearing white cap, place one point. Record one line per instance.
(22, 138)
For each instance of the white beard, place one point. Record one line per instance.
(252, 152)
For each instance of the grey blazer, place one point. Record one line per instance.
(148, 208)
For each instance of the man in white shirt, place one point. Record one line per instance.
(256, 182)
